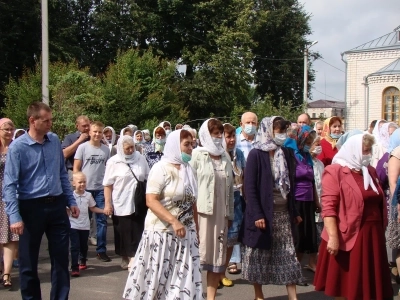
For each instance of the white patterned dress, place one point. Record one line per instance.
(166, 266)
(6, 235)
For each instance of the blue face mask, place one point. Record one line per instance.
(250, 129)
(160, 141)
(306, 149)
(185, 157)
(335, 136)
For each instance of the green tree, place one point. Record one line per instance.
(141, 89)
(73, 92)
(280, 36)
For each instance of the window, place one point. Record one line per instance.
(314, 115)
(390, 101)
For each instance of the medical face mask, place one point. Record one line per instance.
(280, 138)
(160, 141)
(366, 159)
(185, 157)
(317, 150)
(217, 141)
(250, 129)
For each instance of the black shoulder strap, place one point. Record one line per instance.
(129, 166)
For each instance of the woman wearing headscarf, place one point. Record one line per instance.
(375, 131)
(307, 204)
(110, 138)
(379, 149)
(167, 265)
(138, 140)
(18, 133)
(126, 131)
(392, 182)
(318, 168)
(352, 260)
(215, 202)
(268, 254)
(154, 151)
(331, 132)
(146, 136)
(238, 163)
(167, 127)
(8, 240)
(346, 136)
(119, 190)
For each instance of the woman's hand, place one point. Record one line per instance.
(260, 223)
(108, 210)
(179, 229)
(298, 220)
(333, 245)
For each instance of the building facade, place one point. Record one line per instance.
(373, 81)
(323, 109)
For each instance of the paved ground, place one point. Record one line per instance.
(107, 280)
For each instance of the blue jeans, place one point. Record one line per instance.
(101, 221)
(233, 232)
(79, 246)
(51, 219)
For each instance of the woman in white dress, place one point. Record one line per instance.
(167, 264)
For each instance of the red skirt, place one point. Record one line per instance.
(360, 274)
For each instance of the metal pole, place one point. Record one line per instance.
(305, 90)
(45, 53)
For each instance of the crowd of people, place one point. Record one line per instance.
(259, 196)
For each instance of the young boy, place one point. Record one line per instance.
(80, 226)
(91, 158)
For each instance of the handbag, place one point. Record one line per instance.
(140, 196)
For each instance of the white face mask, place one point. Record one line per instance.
(317, 150)
(366, 159)
(129, 156)
(280, 138)
(217, 141)
(167, 132)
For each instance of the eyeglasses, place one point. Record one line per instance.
(7, 130)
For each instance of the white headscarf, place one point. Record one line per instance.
(120, 150)
(207, 142)
(113, 137)
(375, 132)
(384, 135)
(134, 137)
(16, 131)
(133, 127)
(162, 124)
(157, 147)
(172, 154)
(123, 129)
(350, 155)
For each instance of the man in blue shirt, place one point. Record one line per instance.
(36, 191)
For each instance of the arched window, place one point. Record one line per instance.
(391, 104)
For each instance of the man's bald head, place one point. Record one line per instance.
(250, 121)
(304, 119)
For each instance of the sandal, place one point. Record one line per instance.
(232, 269)
(7, 282)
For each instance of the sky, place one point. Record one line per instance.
(340, 25)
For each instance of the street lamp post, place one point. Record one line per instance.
(305, 90)
(45, 53)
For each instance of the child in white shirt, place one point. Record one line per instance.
(80, 226)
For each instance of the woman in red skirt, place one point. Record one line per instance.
(352, 262)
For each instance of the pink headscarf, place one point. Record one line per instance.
(5, 120)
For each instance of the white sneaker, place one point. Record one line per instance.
(93, 241)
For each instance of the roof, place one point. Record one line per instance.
(390, 69)
(385, 42)
(326, 104)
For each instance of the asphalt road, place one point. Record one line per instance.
(107, 280)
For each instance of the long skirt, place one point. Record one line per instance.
(128, 231)
(359, 274)
(277, 265)
(306, 240)
(165, 267)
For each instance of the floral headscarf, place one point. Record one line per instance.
(297, 139)
(265, 142)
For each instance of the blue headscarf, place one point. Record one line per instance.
(296, 139)
(346, 136)
(394, 140)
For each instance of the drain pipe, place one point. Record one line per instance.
(346, 124)
(366, 100)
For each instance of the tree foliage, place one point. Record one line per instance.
(224, 47)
